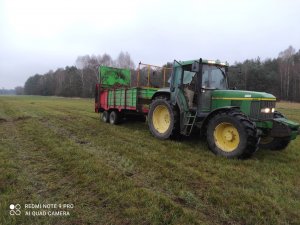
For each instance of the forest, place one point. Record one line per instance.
(279, 76)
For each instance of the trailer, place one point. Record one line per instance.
(118, 96)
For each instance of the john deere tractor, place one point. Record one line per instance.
(235, 123)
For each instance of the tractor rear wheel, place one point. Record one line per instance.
(275, 143)
(162, 119)
(114, 117)
(231, 134)
(105, 116)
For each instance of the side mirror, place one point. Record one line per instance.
(195, 66)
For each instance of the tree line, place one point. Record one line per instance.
(279, 76)
(4, 91)
(75, 81)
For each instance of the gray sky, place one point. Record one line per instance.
(39, 35)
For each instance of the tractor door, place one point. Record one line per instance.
(184, 88)
(177, 92)
(184, 94)
(206, 91)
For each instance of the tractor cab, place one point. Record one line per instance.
(193, 82)
(191, 89)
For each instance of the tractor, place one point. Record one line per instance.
(235, 123)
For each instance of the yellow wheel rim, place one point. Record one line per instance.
(161, 118)
(226, 137)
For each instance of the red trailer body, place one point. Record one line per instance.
(135, 99)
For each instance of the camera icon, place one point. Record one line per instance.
(15, 209)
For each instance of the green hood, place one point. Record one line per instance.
(242, 95)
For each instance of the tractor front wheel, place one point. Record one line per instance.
(232, 135)
(274, 143)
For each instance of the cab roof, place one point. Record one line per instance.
(206, 61)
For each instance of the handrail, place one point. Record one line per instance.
(149, 66)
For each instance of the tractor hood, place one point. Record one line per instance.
(242, 95)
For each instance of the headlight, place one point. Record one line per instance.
(265, 110)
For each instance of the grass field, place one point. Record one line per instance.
(55, 150)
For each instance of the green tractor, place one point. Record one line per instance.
(235, 123)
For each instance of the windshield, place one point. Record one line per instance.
(213, 77)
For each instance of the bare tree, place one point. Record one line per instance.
(124, 61)
(285, 63)
(106, 60)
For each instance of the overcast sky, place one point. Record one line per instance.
(39, 35)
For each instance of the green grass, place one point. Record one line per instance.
(55, 150)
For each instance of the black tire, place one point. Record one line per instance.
(114, 117)
(243, 132)
(105, 116)
(172, 130)
(272, 143)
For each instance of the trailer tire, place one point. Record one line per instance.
(163, 119)
(231, 134)
(114, 117)
(105, 116)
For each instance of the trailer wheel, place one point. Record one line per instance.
(162, 119)
(105, 116)
(272, 143)
(114, 117)
(232, 135)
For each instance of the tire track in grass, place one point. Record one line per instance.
(27, 159)
(37, 176)
(128, 167)
(92, 182)
(9, 169)
(64, 179)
